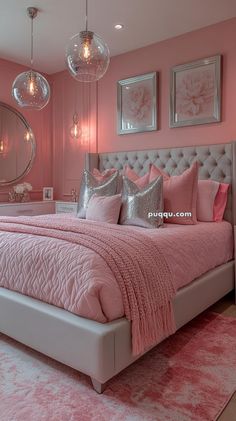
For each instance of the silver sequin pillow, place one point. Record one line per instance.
(91, 185)
(141, 206)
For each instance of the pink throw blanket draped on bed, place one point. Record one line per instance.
(136, 262)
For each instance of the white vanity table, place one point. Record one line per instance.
(37, 208)
(66, 207)
(27, 208)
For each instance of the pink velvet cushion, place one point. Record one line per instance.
(104, 208)
(220, 202)
(180, 194)
(206, 195)
(101, 176)
(140, 182)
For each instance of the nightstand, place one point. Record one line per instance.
(27, 208)
(66, 207)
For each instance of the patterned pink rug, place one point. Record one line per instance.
(189, 377)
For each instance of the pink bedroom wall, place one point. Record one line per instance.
(40, 122)
(69, 153)
(160, 57)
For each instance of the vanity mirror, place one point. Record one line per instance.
(17, 145)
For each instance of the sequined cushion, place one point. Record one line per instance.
(90, 185)
(141, 206)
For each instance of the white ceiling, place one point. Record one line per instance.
(146, 22)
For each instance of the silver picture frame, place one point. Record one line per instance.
(137, 104)
(210, 69)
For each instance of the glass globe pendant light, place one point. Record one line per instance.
(87, 55)
(30, 89)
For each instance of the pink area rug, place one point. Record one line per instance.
(189, 377)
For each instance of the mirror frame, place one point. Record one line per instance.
(33, 144)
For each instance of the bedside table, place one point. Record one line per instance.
(66, 207)
(27, 208)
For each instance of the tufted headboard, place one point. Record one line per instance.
(217, 162)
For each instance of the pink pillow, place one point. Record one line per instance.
(140, 182)
(104, 208)
(156, 172)
(220, 202)
(180, 194)
(101, 176)
(206, 195)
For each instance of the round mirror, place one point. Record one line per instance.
(17, 145)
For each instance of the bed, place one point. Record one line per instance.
(101, 350)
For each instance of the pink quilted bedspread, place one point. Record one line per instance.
(145, 281)
(82, 282)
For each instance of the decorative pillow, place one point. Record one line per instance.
(141, 206)
(220, 202)
(104, 208)
(206, 195)
(89, 186)
(139, 181)
(156, 172)
(180, 194)
(101, 176)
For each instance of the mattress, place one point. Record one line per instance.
(81, 282)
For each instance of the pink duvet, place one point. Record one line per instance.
(81, 282)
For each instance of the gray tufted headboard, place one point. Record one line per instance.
(217, 162)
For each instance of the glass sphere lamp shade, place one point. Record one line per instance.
(31, 90)
(87, 57)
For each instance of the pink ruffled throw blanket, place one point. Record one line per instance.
(136, 262)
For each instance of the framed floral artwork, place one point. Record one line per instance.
(137, 104)
(195, 92)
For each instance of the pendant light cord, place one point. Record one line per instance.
(86, 15)
(32, 43)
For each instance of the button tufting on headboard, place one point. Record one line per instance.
(215, 162)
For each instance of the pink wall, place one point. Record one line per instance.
(60, 159)
(68, 153)
(215, 39)
(40, 121)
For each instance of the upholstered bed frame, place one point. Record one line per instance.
(103, 350)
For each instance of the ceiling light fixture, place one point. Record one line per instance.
(30, 89)
(119, 26)
(87, 55)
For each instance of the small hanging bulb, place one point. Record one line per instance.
(28, 135)
(75, 130)
(86, 51)
(86, 38)
(1, 146)
(32, 87)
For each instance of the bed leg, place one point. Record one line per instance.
(99, 387)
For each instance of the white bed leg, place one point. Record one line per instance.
(99, 387)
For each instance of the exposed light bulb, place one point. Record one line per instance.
(27, 135)
(1, 146)
(32, 87)
(75, 130)
(86, 53)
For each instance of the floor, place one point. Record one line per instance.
(227, 307)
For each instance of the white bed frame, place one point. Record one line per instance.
(103, 350)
